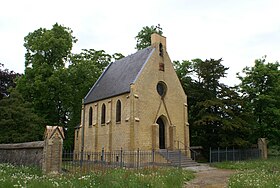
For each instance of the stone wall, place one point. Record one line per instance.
(45, 154)
(28, 153)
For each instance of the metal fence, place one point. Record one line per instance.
(87, 161)
(232, 154)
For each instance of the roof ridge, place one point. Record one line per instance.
(143, 65)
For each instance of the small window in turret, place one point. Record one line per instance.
(160, 50)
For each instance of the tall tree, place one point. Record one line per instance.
(44, 81)
(7, 80)
(54, 89)
(209, 72)
(260, 86)
(18, 121)
(144, 36)
(216, 111)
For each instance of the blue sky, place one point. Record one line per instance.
(239, 31)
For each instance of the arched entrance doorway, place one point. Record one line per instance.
(161, 133)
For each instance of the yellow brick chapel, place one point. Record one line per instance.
(137, 103)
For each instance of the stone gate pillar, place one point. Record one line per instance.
(52, 153)
(262, 145)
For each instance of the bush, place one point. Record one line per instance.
(274, 151)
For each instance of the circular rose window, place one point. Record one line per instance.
(161, 88)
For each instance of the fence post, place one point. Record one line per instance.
(137, 162)
(210, 155)
(180, 158)
(81, 159)
(167, 154)
(153, 156)
(102, 154)
(218, 154)
(233, 154)
(121, 158)
(226, 153)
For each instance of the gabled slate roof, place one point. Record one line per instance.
(118, 76)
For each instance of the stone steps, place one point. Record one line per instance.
(177, 158)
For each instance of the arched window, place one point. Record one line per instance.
(103, 114)
(90, 116)
(118, 111)
(77, 134)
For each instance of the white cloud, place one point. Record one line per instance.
(238, 31)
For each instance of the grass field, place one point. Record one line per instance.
(11, 176)
(255, 173)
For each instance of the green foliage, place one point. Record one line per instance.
(6, 81)
(55, 90)
(274, 150)
(18, 121)
(144, 36)
(209, 72)
(217, 114)
(11, 176)
(255, 173)
(260, 86)
(50, 47)
(184, 72)
(44, 81)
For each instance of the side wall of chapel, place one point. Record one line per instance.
(111, 135)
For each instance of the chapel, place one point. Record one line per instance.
(137, 103)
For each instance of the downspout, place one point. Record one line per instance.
(83, 132)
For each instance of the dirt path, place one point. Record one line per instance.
(208, 177)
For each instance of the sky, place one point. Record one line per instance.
(238, 31)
